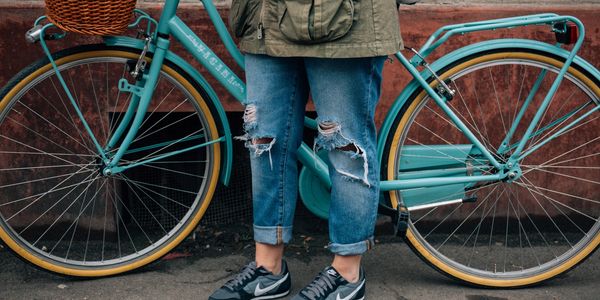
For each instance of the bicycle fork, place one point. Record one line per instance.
(141, 95)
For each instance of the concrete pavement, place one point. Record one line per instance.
(393, 272)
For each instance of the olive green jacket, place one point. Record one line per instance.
(316, 28)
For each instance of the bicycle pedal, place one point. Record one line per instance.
(401, 221)
(471, 199)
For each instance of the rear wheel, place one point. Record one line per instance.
(515, 233)
(57, 210)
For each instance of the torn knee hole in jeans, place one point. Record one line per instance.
(331, 138)
(250, 117)
(259, 145)
(256, 144)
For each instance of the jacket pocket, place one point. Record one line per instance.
(315, 21)
(243, 16)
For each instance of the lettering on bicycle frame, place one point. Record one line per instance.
(215, 62)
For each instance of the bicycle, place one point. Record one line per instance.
(74, 205)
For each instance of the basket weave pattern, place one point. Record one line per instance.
(93, 17)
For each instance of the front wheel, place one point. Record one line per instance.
(58, 210)
(503, 233)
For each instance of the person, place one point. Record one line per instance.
(336, 50)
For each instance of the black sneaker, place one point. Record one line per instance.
(330, 285)
(255, 283)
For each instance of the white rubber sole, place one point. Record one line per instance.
(272, 296)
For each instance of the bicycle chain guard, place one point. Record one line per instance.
(315, 196)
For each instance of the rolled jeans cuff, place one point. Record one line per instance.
(352, 249)
(272, 235)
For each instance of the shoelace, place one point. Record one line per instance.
(246, 273)
(319, 287)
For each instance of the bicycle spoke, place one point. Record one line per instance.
(548, 215)
(147, 209)
(555, 129)
(49, 103)
(40, 195)
(48, 139)
(145, 134)
(78, 102)
(38, 150)
(473, 123)
(150, 165)
(151, 155)
(538, 190)
(554, 202)
(522, 229)
(498, 102)
(515, 229)
(443, 117)
(119, 217)
(134, 219)
(142, 189)
(476, 230)
(44, 179)
(149, 115)
(570, 151)
(62, 101)
(567, 176)
(463, 222)
(519, 96)
(555, 165)
(74, 224)
(87, 241)
(102, 125)
(141, 185)
(56, 203)
(112, 122)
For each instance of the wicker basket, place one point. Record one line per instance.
(93, 17)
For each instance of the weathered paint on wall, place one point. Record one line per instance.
(417, 23)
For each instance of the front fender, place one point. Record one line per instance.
(215, 104)
(512, 44)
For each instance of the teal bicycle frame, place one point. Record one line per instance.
(171, 25)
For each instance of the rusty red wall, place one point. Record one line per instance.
(417, 24)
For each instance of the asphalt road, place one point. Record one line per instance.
(392, 270)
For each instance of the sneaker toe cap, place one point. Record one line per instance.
(222, 294)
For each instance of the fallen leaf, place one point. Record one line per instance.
(174, 255)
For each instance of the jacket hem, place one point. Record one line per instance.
(323, 51)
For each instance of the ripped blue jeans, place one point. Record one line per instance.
(345, 93)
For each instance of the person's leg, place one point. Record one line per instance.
(276, 93)
(345, 92)
(269, 256)
(273, 121)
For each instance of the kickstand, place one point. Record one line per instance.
(401, 221)
(400, 217)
